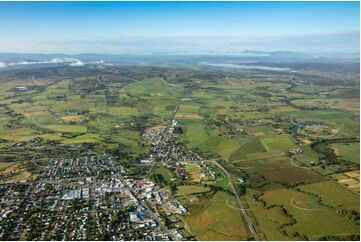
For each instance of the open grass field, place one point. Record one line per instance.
(248, 148)
(320, 115)
(21, 134)
(334, 195)
(350, 105)
(197, 136)
(191, 189)
(65, 128)
(20, 176)
(308, 89)
(188, 111)
(74, 118)
(123, 111)
(313, 219)
(128, 144)
(227, 147)
(279, 170)
(164, 171)
(280, 143)
(350, 180)
(153, 87)
(349, 152)
(214, 220)
(85, 138)
(4, 165)
(270, 219)
(11, 172)
(195, 171)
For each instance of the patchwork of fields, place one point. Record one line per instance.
(290, 145)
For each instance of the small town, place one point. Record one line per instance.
(90, 198)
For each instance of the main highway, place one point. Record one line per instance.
(240, 203)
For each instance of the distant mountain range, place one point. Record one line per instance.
(164, 58)
(287, 54)
(16, 57)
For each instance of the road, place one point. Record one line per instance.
(35, 82)
(165, 136)
(109, 85)
(232, 83)
(170, 84)
(154, 216)
(240, 203)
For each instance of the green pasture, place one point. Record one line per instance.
(214, 220)
(280, 143)
(66, 128)
(309, 115)
(278, 170)
(164, 171)
(334, 195)
(313, 219)
(197, 136)
(191, 189)
(248, 148)
(348, 151)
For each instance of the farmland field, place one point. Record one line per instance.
(280, 143)
(188, 190)
(350, 152)
(214, 220)
(314, 219)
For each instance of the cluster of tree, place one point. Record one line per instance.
(178, 130)
(327, 153)
(262, 94)
(349, 214)
(160, 180)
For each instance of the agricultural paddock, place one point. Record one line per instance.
(195, 171)
(344, 104)
(278, 170)
(280, 143)
(214, 220)
(350, 180)
(348, 151)
(334, 195)
(313, 219)
(191, 189)
(165, 172)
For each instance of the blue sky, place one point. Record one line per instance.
(56, 26)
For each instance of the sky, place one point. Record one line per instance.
(146, 27)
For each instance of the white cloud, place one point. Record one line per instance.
(3, 65)
(256, 67)
(56, 61)
(102, 63)
(68, 59)
(72, 61)
(77, 63)
(25, 63)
